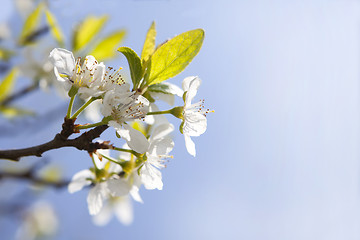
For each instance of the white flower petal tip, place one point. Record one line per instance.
(190, 145)
(80, 180)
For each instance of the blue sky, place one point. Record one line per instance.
(280, 157)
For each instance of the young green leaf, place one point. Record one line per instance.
(12, 112)
(173, 56)
(149, 44)
(7, 85)
(30, 25)
(54, 28)
(107, 47)
(5, 54)
(134, 64)
(87, 30)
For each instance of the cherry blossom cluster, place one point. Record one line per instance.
(136, 119)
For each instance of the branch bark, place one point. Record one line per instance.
(83, 142)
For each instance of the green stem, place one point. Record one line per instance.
(83, 107)
(127, 150)
(93, 160)
(110, 159)
(68, 114)
(90, 125)
(159, 112)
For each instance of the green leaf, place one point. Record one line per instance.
(161, 88)
(134, 64)
(54, 28)
(30, 25)
(12, 112)
(87, 30)
(173, 56)
(7, 85)
(149, 44)
(5, 54)
(107, 47)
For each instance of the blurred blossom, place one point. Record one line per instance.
(24, 7)
(39, 221)
(121, 207)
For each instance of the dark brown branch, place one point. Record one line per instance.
(83, 142)
(20, 93)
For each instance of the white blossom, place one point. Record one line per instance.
(194, 119)
(70, 72)
(125, 106)
(110, 185)
(39, 221)
(121, 207)
(160, 146)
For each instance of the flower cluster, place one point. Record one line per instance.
(113, 181)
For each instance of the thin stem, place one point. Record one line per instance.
(159, 112)
(110, 159)
(93, 160)
(127, 150)
(83, 107)
(90, 125)
(68, 114)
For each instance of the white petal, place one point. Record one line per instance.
(161, 147)
(168, 98)
(186, 83)
(134, 192)
(151, 177)
(144, 101)
(90, 62)
(118, 187)
(195, 123)
(190, 145)
(124, 211)
(99, 74)
(63, 60)
(79, 180)
(161, 131)
(95, 198)
(192, 90)
(136, 141)
(174, 89)
(104, 216)
(124, 133)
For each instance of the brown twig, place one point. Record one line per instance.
(30, 176)
(83, 142)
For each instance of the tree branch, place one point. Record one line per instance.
(32, 178)
(83, 142)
